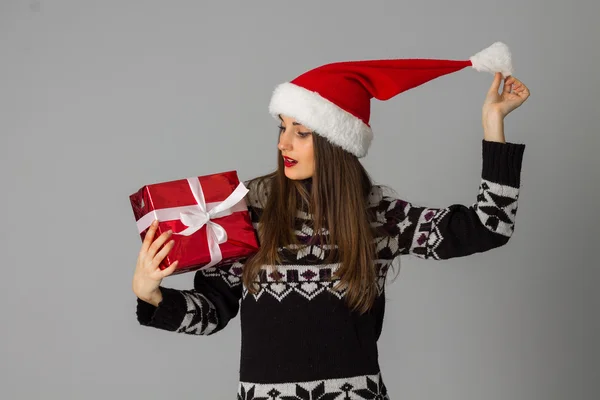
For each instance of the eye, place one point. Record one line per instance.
(281, 128)
(304, 134)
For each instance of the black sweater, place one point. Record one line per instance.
(299, 339)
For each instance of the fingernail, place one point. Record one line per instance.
(155, 222)
(170, 231)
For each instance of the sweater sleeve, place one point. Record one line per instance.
(214, 299)
(459, 230)
(203, 310)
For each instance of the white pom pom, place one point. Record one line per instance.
(495, 58)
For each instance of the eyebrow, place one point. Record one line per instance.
(293, 123)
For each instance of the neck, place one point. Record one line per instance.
(307, 183)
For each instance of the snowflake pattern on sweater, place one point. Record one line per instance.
(299, 340)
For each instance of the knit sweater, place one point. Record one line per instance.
(299, 340)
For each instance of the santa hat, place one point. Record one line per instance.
(334, 100)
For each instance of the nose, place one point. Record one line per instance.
(284, 142)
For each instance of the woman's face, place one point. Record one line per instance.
(296, 146)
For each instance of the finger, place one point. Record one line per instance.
(495, 83)
(524, 92)
(518, 83)
(149, 236)
(162, 254)
(520, 89)
(159, 241)
(169, 270)
(509, 84)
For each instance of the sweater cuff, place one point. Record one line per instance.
(502, 162)
(168, 315)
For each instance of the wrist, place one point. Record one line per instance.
(491, 117)
(493, 127)
(154, 298)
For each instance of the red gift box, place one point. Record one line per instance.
(208, 215)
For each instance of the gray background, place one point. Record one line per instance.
(99, 98)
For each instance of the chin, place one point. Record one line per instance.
(296, 175)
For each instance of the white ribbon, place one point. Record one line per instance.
(200, 214)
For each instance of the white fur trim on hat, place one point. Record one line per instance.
(322, 116)
(496, 58)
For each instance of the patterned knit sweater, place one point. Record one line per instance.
(298, 338)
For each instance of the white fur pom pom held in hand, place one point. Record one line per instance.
(496, 58)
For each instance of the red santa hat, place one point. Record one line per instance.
(334, 100)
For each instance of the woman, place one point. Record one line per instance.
(312, 299)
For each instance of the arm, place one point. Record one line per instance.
(204, 310)
(458, 230)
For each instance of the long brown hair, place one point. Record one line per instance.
(338, 205)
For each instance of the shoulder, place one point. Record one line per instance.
(382, 196)
(258, 190)
(387, 208)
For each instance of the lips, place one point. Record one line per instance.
(289, 162)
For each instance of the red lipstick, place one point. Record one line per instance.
(289, 162)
